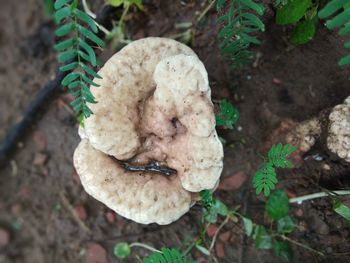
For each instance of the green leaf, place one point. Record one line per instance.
(221, 208)
(67, 55)
(122, 250)
(292, 12)
(227, 116)
(331, 8)
(283, 250)
(303, 32)
(87, 19)
(62, 14)
(342, 210)
(89, 71)
(64, 44)
(259, 8)
(248, 225)
(64, 30)
(344, 61)
(285, 225)
(279, 153)
(277, 205)
(70, 77)
(263, 239)
(265, 179)
(203, 250)
(60, 3)
(69, 66)
(168, 255)
(90, 36)
(207, 198)
(89, 51)
(339, 20)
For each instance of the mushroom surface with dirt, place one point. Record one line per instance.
(151, 144)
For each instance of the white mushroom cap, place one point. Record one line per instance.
(153, 104)
(338, 140)
(143, 197)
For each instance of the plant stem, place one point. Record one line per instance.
(301, 245)
(137, 244)
(205, 11)
(87, 9)
(217, 232)
(125, 12)
(300, 199)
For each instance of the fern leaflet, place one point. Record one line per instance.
(265, 179)
(338, 12)
(278, 155)
(76, 53)
(168, 255)
(239, 23)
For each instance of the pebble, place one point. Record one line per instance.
(81, 212)
(4, 237)
(40, 159)
(211, 230)
(95, 253)
(110, 217)
(220, 250)
(233, 182)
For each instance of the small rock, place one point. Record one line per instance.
(4, 237)
(40, 140)
(224, 237)
(40, 159)
(276, 81)
(110, 217)
(220, 250)
(299, 212)
(96, 254)
(211, 230)
(16, 209)
(81, 212)
(199, 256)
(318, 225)
(233, 182)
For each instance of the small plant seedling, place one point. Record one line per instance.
(265, 179)
(228, 115)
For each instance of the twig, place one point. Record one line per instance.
(69, 207)
(300, 199)
(205, 11)
(152, 167)
(137, 244)
(301, 245)
(87, 9)
(217, 232)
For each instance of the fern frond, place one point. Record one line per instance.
(239, 24)
(168, 255)
(265, 179)
(338, 14)
(278, 155)
(78, 56)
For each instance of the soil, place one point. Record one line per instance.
(39, 189)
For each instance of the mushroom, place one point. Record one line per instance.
(305, 134)
(338, 140)
(332, 127)
(151, 144)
